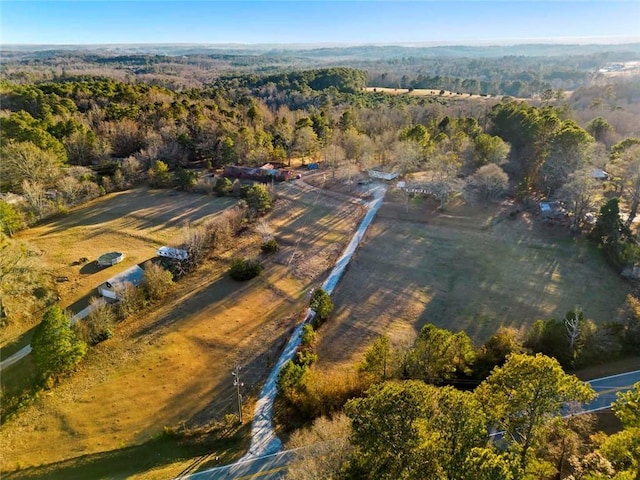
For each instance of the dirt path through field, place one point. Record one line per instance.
(263, 438)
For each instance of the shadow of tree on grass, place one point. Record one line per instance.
(197, 451)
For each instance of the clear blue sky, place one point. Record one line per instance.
(149, 21)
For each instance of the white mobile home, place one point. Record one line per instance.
(174, 253)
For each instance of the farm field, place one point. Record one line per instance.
(469, 268)
(172, 366)
(135, 222)
(423, 92)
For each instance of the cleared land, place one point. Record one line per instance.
(135, 222)
(425, 92)
(172, 366)
(469, 268)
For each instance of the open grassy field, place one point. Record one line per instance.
(468, 268)
(172, 364)
(424, 92)
(135, 222)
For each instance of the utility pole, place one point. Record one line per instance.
(237, 383)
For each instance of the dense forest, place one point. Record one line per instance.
(518, 70)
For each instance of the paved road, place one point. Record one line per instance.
(19, 355)
(269, 467)
(607, 387)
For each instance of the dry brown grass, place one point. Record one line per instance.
(469, 268)
(135, 222)
(172, 365)
(424, 92)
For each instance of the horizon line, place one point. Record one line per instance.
(580, 40)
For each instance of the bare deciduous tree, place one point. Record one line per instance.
(264, 229)
(131, 170)
(196, 241)
(131, 300)
(581, 194)
(70, 188)
(572, 325)
(157, 281)
(490, 182)
(333, 155)
(24, 161)
(321, 450)
(407, 157)
(35, 194)
(98, 325)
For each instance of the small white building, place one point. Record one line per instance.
(599, 174)
(114, 285)
(174, 253)
(382, 175)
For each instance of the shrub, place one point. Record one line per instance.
(259, 199)
(98, 325)
(186, 179)
(223, 186)
(306, 358)
(157, 281)
(243, 190)
(107, 184)
(308, 336)
(159, 175)
(305, 355)
(270, 246)
(10, 219)
(243, 269)
(321, 304)
(290, 377)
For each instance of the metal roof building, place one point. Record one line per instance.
(111, 287)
